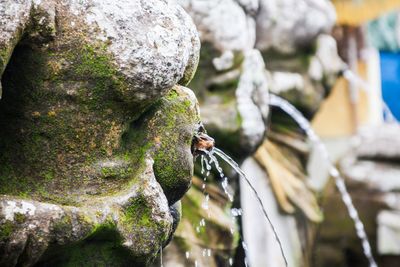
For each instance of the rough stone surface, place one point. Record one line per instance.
(151, 43)
(374, 162)
(252, 98)
(380, 143)
(214, 20)
(242, 110)
(95, 139)
(388, 232)
(286, 25)
(372, 172)
(285, 81)
(30, 228)
(326, 63)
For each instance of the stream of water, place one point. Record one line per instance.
(206, 166)
(224, 184)
(210, 159)
(339, 180)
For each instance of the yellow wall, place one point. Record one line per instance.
(336, 117)
(353, 12)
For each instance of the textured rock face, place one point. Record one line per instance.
(372, 172)
(140, 35)
(252, 98)
(214, 20)
(288, 24)
(275, 46)
(268, 24)
(136, 220)
(95, 139)
(374, 162)
(227, 53)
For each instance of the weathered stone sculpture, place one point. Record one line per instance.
(95, 133)
(271, 48)
(274, 46)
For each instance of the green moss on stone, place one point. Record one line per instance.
(169, 128)
(138, 213)
(19, 217)
(6, 229)
(102, 248)
(170, 162)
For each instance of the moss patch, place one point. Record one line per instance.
(6, 229)
(138, 214)
(170, 127)
(102, 248)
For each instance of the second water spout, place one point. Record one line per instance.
(339, 181)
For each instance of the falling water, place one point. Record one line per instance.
(339, 181)
(161, 257)
(224, 183)
(205, 171)
(225, 186)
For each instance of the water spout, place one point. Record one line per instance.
(339, 181)
(202, 144)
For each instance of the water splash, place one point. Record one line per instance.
(339, 181)
(236, 212)
(236, 167)
(202, 164)
(246, 250)
(230, 262)
(224, 183)
(225, 186)
(206, 166)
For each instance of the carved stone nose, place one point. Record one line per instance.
(202, 144)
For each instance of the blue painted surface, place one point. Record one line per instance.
(390, 75)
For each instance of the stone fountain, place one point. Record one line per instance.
(96, 129)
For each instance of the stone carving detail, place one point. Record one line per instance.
(96, 133)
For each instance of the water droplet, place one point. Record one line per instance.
(236, 212)
(202, 164)
(204, 205)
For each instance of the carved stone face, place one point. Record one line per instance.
(95, 135)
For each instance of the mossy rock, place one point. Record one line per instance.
(90, 116)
